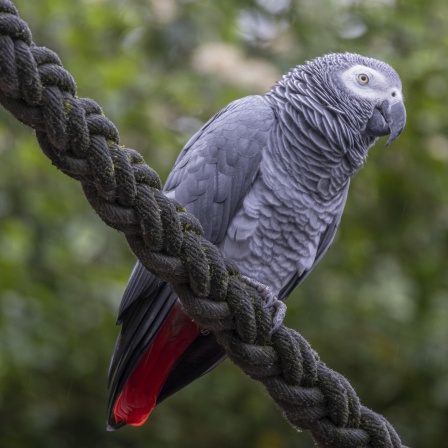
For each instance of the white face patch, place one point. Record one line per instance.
(370, 84)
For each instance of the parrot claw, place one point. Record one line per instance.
(271, 301)
(279, 315)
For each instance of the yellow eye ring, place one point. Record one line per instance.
(363, 79)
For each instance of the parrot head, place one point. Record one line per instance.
(365, 93)
(378, 85)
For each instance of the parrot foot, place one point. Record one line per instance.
(271, 301)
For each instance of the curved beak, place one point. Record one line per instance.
(387, 119)
(395, 117)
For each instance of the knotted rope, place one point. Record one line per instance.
(126, 193)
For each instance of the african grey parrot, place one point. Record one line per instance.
(267, 177)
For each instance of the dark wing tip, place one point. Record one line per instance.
(111, 427)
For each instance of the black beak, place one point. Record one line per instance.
(387, 119)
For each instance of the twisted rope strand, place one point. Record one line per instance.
(126, 193)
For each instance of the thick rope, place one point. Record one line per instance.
(126, 194)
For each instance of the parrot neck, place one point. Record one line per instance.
(326, 146)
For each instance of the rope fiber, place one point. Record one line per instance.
(126, 193)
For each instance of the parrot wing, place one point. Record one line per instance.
(211, 176)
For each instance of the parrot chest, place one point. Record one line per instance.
(276, 233)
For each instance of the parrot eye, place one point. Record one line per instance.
(363, 79)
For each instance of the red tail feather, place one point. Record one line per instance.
(139, 395)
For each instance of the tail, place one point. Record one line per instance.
(141, 390)
(159, 351)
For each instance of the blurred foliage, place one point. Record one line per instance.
(376, 309)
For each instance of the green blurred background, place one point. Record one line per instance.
(376, 309)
